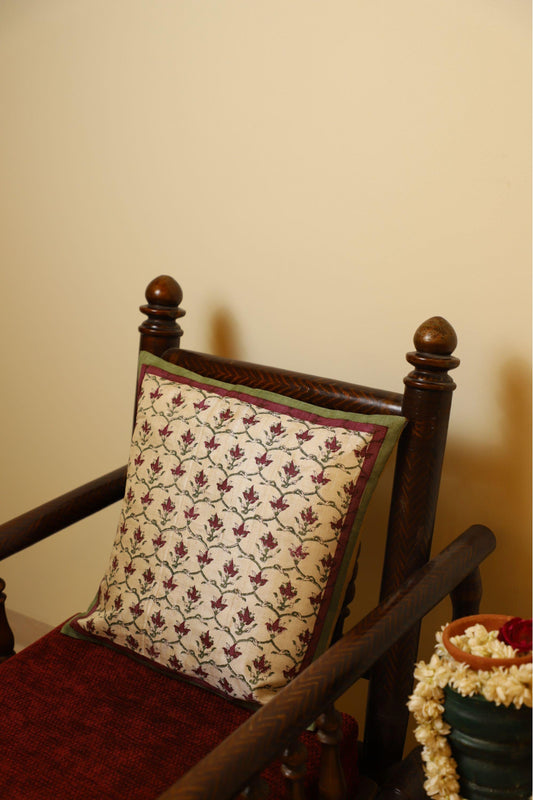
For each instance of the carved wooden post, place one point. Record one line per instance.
(161, 331)
(294, 769)
(331, 782)
(427, 398)
(7, 640)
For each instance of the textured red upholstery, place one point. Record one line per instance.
(84, 722)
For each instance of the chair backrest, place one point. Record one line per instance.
(425, 403)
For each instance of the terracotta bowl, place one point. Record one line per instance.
(491, 622)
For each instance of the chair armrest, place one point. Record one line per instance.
(243, 754)
(40, 522)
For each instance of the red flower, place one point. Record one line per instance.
(204, 558)
(148, 576)
(146, 500)
(191, 513)
(517, 633)
(138, 536)
(225, 415)
(226, 685)
(250, 420)
(241, 531)
(165, 431)
(175, 663)
(159, 541)
(139, 460)
(327, 561)
(180, 550)
(193, 594)
(289, 674)
(177, 400)
(156, 395)
(152, 651)
(305, 436)
(298, 553)
(206, 640)
(169, 584)
(118, 602)
(350, 488)
(305, 637)
(129, 569)
(232, 651)
(178, 471)
(146, 428)
(211, 444)
(200, 672)
(187, 438)
(132, 643)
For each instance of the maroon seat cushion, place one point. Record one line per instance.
(82, 721)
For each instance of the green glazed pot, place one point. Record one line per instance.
(492, 747)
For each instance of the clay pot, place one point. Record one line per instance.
(491, 744)
(491, 622)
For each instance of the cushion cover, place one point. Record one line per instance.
(81, 721)
(237, 533)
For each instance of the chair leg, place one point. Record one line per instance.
(332, 784)
(466, 597)
(7, 640)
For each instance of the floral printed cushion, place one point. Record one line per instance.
(237, 533)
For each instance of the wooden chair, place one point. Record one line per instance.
(381, 648)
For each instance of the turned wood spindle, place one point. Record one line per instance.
(161, 331)
(294, 769)
(331, 781)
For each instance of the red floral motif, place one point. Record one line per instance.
(129, 569)
(193, 594)
(277, 429)
(168, 506)
(139, 460)
(206, 640)
(250, 495)
(158, 620)
(261, 664)
(136, 610)
(225, 685)
(131, 642)
(181, 629)
(241, 531)
(291, 470)
(224, 486)
(333, 445)
(212, 444)
(258, 580)
(201, 405)
(146, 499)
(148, 576)
(138, 535)
(164, 432)
(232, 652)
(152, 652)
(159, 541)
(350, 488)
(230, 569)
(245, 616)
(250, 420)
(236, 453)
(191, 513)
(146, 427)
(327, 561)
(175, 663)
(215, 523)
(320, 479)
(177, 400)
(287, 590)
(269, 541)
(169, 584)
(200, 672)
(298, 553)
(225, 415)
(305, 637)
(290, 673)
(118, 602)
(279, 504)
(204, 558)
(200, 479)
(155, 395)
(263, 461)
(276, 626)
(309, 516)
(178, 471)
(187, 438)
(156, 466)
(362, 453)
(218, 604)
(304, 436)
(180, 550)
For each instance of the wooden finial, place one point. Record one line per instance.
(161, 331)
(435, 340)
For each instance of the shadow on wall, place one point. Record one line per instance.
(487, 482)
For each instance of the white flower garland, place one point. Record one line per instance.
(500, 685)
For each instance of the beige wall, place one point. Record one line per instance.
(320, 176)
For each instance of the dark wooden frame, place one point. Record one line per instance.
(383, 646)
